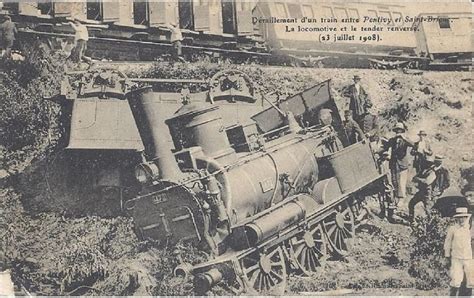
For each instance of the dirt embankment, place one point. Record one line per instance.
(55, 255)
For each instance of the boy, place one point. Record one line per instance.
(457, 248)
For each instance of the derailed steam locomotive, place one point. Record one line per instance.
(279, 194)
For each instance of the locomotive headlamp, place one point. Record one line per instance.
(146, 171)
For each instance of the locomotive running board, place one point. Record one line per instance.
(231, 257)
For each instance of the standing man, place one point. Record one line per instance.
(370, 127)
(421, 149)
(468, 189)
(425, 180)
(442, 177)
(176, 40)
(185, 95)
(389, 205)
(359, 100)
(399, 159)
(7, 36)
(80, 39)
(352, 130)
(458, 251)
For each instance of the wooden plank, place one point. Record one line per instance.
(111, 11)
(244, 22)
(126, 12)
(79, 10)
(172, 12)
(28, 8)
(157, 13)
(201, 18)
(62, 9)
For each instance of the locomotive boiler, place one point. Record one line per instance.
(281, 202)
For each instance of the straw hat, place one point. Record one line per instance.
(422, 133)
(399, 126)
(356, 77)
(462, 212)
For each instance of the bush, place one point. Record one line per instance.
(427, 256)
(27, 121)
(266, 81)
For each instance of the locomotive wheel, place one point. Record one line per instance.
(308, 250)
(339, 229)
(265, 272)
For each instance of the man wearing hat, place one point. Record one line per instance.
(468, 189)
(442, 177)
(370, 126)
(352, 130)
(359, 100)
(391, 203)
(7, 35)
(398, 145)
(458, 250)
(425, 180)
(421, 149)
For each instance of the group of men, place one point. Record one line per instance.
(81, 37)
(394, 154)
(8, 33)
(359, 123)
(431, 177)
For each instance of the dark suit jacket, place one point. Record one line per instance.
(352, 131)
(399, 146)
(359, 102)
(370, 125)
(442, 181)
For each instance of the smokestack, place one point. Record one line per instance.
(153, 131)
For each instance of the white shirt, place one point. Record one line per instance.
(357, 87)
(458, 242)
(422, 146)
(81, 32)
(6, 284)
(176, 34)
